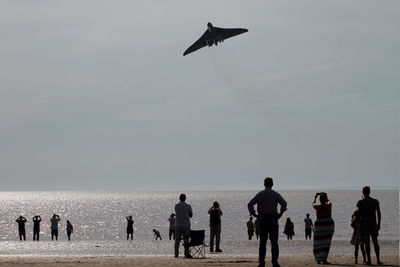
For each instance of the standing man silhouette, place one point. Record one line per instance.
(369, 227)
(183, 213)
(267, 208)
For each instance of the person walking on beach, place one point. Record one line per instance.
(183, 213)
(289, 229)
(324, 228)
(36, 227)
(70, 230)
(267, 213)
(257, 228)
(215, 227)
(308, 224)
(250, 228)
(157, 234)
(129, 227)
(356, 237)
(55, 219)
(369, 227)
(171, 232)
(21, 227)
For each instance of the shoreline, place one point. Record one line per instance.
(170, 261)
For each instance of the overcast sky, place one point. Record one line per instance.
(96, 95)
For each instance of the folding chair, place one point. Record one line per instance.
(197, 248)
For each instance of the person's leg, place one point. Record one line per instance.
(56, 235)
(186, 236)
(367, 249)
(37, 237)
(24, 236)
(355, 254)
(273, 237)
(52, 235)
(218, 238)
(170, 234)
(262, 249)
(363, 252)
(178, 238)
(376, 248)
(212, 236)
(20, 237)
(34, 235)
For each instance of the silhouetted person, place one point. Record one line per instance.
(289, 229)
(215, 227)
(369, 227)
(267, 208)
(324, 227)
(21, 227)
(157, 234)
(183, 213)
(171, 232)
(356, 239)
(257, 228)
(250, 228)
(55, 219)
(70, 230)
(129, 227)
(308, 226)
(36, 227)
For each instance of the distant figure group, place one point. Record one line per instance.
(365, 221)
(54, 220)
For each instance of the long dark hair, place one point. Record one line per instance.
(323, 197)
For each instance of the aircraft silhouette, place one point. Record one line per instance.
(213, 36)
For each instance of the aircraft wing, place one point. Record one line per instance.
(198, 44)
(228, 33)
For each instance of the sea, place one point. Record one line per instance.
(100, 225)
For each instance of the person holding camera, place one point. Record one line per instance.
(324, 228)
(215, 227)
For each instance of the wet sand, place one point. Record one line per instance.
(169, 261)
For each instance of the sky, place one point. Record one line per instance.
(96, 95)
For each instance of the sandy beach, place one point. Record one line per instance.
(169, 261)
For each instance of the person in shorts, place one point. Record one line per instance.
(370, 223)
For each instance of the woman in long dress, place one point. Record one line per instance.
(289, 229)
(324, 228)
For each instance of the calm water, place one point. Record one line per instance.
(99, 221)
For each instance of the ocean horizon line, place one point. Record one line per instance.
(350, 188)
